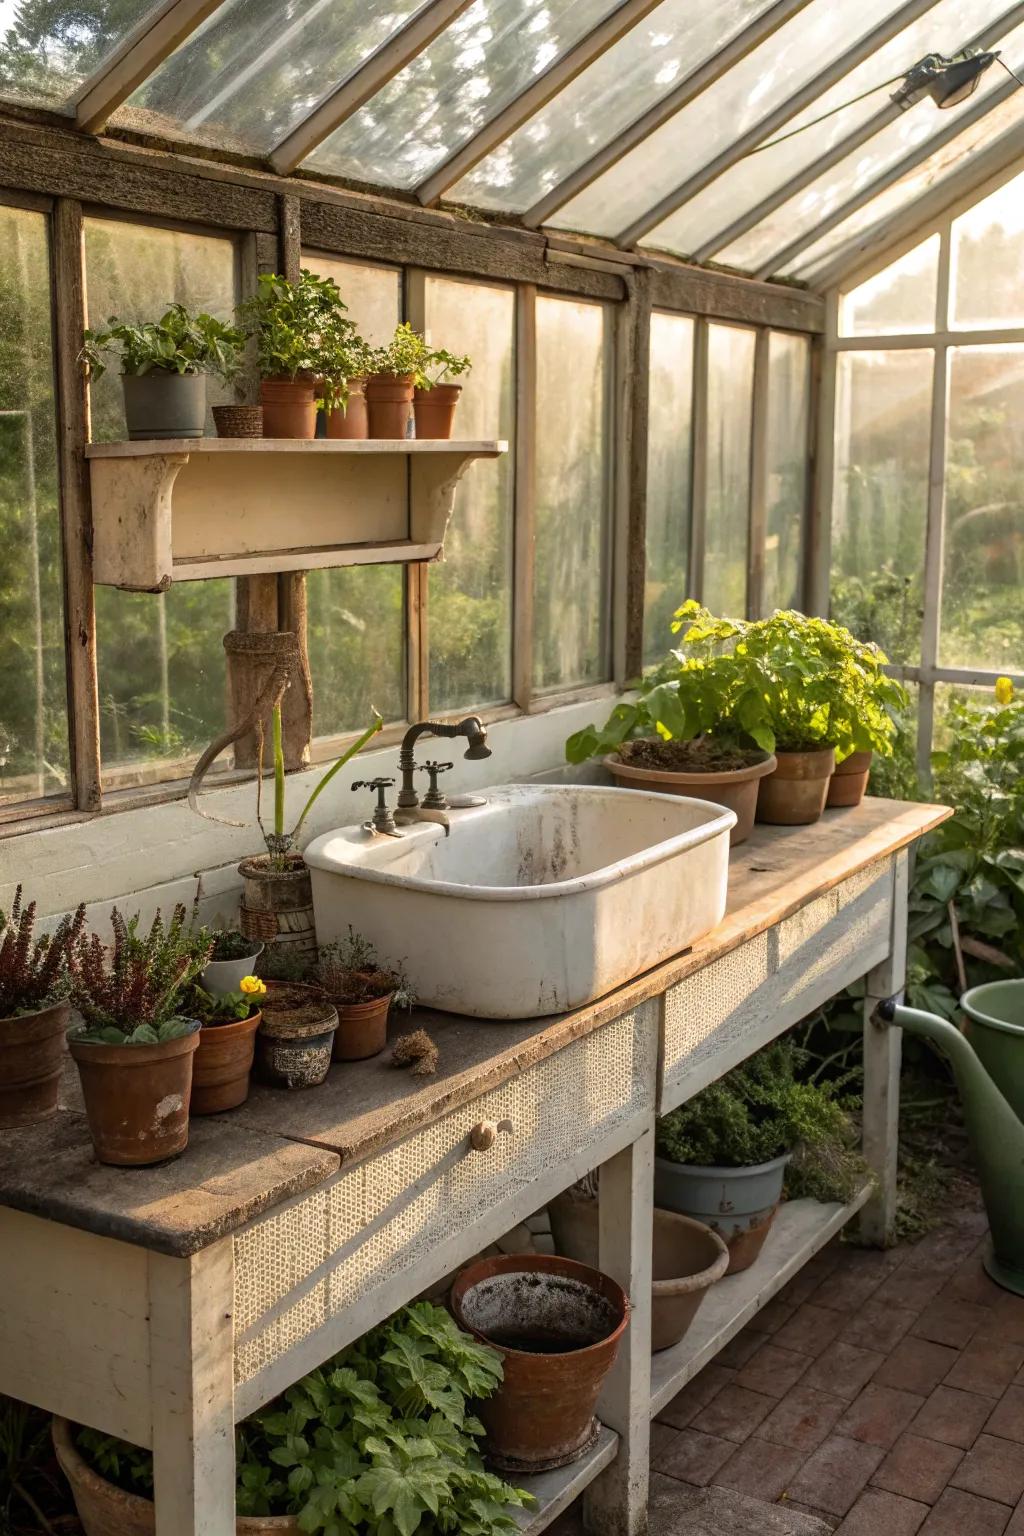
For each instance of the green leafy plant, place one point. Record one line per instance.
(404, 354)
(352, 972)
(221, 1008)
(437, 366)
(178, 342)
(380, 1440)
(34, 973)
(302, 328)
(281, 845)
(129, 994)
(230, 944)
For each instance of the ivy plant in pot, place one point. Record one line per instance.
(164, 364)
(298, 328)
(437, 395)
(227, 1040)
(364, 990)
(34, 1013)
(727, 1148)
(135, 1046)
(392, 383)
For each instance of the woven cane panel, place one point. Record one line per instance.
(298, 1268)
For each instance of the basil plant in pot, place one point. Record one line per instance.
(164, 365)
(298, 329)
(394, 371)
(34, 1012)
(437, 395)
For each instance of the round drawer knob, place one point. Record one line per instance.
(485, 1133)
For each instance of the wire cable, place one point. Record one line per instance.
(881, 86)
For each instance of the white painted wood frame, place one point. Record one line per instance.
(882, 1055)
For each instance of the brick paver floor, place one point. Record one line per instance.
(880, 1394)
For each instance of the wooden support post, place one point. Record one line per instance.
(615, 1504)
(525, 493)
(882, 1053)
(191, 1341)
(633, 406)
(297, 708)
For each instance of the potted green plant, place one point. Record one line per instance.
(364, 991)
(227, 1040)
(721, 1157)
(164, 364)
(343, 387)
(34, 1013)
(232, 957)
(134, 1047)
(392, 383)
(436, 395)
(297, 329)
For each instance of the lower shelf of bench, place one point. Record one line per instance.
(555, 1491)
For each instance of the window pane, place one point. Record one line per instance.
(470, 608)
(570, 569)
(900, 298)
(465, 77)
(789, 388)
(983, 582)
(162, 681)
(730, 417)
(883, 413)
(357, 612)
(33, 699)
(669, 451)
(988, 260)
(47, 50)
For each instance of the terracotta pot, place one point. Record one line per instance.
(362, 1029)
(296, 1035)
(238, 420)
(277, 905)
(389, 404)
(31, 1062)
(435, 410)
(352, 422)
(106, 1510)
(688, 1259)
(137, 1098)
(557, 1326)
(735, 790)
(223, 1061)
(795, 794)
(849, 782)
(289, 407)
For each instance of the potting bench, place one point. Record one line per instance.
(162, 1305)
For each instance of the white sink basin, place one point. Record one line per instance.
(539, 901)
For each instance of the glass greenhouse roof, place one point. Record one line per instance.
(760, 134)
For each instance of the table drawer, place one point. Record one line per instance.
(718, 1016)
(402, 1219)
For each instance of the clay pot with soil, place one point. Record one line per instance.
(557, 1326)
(227, 1042)
(849, 782)
(33, 1015)
(296, 1035)
(31, 1062)
(137, 1096)
(434, 410)
(289, 406)
(705, 769)
(794, 794)
(389, 398)
(363, 990)
(277, 905)
(351, 420)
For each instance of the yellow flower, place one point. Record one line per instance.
(1004, 690)
(251, 986)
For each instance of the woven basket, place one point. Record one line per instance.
(238, 420)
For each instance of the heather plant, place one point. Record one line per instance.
(33, 972)
(129, 994)
(352, 972)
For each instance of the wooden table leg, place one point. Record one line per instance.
(882, 1055)
(192, 1388)
(615, 1504)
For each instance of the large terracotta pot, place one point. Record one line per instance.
(137, 1098)
(736, 790)
(435, 410)
(351, 422)
(848, 784)
(277, 905)
(289, 407)
(106, 1510)
(362, 1029)
(389, 403)
(223, 1061)
(557, 1326)
(31, 1062)
(795, 794)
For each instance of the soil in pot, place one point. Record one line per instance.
(794, 795)
(295, 1037)
(31, 1062)
(161, 404)
(137, 1098)
(351, 422)
(737, 1203)
(222, 1064)
(277, 905)
(848, 784)
(557, 1325)
(435, 410)
(708, 770)
(289, 407)
(389, 404)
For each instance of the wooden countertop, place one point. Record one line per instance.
(279, 1144)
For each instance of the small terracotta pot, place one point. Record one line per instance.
(352, 421)
(106, 1510)
(795, 794)
(31, 1062)
(289, 407)
(223, 1061)
(389, 403)
(736, 790)
(238, 420)
(848, 784)
(542, 1415)
(435, 410)
(362, 1029)
(137, 1098)
(296, 1035)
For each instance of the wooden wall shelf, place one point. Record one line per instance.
(188, 509)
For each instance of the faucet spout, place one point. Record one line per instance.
(471, 728)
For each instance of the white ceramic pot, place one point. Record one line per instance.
(223, 976)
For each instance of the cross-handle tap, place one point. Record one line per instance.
(434, 799)
(383, 820)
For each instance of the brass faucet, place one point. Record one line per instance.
(475, 732)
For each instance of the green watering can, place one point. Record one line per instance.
(988, 1064)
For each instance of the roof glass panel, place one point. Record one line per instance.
(467, 75)
(652, 58)
(710, 123)
(48, 50)
(849, 176)
(947, 27)
(256, 67)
